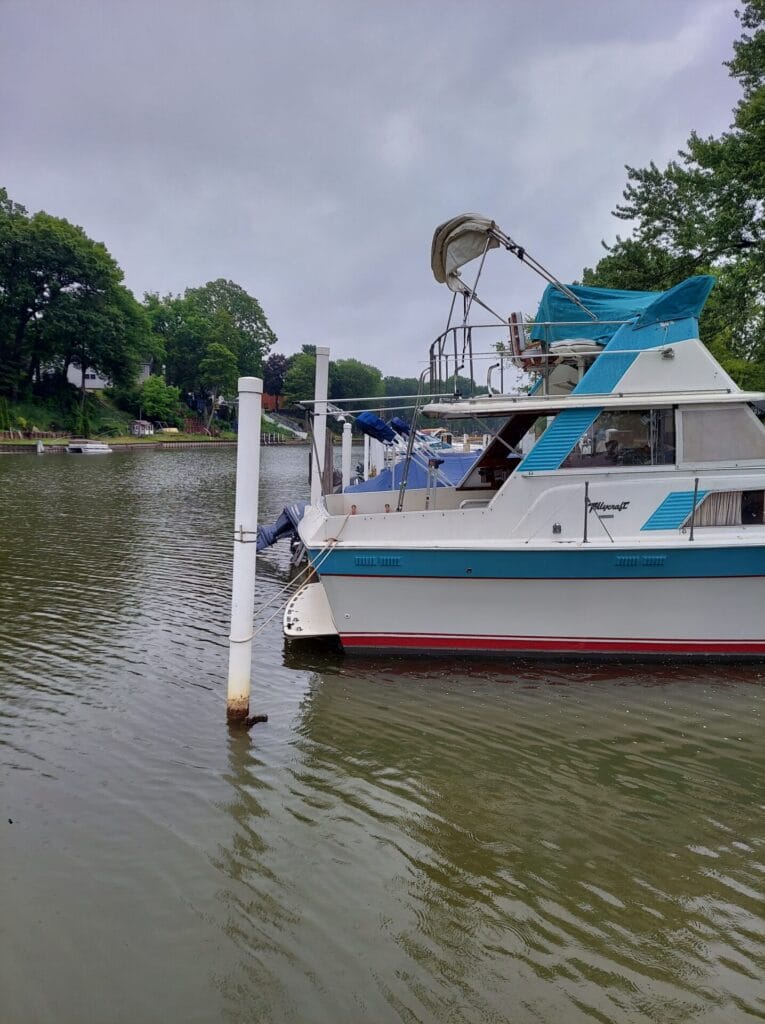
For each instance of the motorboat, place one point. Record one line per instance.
(617, 510)
(81, 446)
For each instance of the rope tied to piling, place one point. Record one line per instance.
(312, 567)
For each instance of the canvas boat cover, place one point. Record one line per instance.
(372, 425)
(684, 300)
(450, 471)
(457, 242)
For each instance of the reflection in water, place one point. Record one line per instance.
(555, 836)
(405, 840)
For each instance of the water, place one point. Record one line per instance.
(404, 840)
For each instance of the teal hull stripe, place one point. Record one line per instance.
(673, 511)
(687, 560)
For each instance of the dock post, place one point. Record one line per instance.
(366, 456)
(377, 449)
(345, 459)
(245, 533)
(321, 388)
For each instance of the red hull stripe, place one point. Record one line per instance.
(538, 643)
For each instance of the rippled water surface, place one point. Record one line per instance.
(424, 840)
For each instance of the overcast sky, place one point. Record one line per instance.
(307, 150)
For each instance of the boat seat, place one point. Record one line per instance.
(575, 347)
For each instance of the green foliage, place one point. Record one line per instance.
(64, 411)
(61, 301)
(218, 374)
(218, 313)
(350, 378)
(274, 371)
(159, 400)
(704, 213)
(299, 380)
(400, 385)
(237, 320)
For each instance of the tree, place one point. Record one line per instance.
(239, 320)
(104, 331)
(299, 380)
(220, 313)
(350, 378)
(401, 385)
(159, 400)
(704, 212)
(184, 335)
(218, 375)
(274, 371)
(61, 299)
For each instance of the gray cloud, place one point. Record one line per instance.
(307, 150)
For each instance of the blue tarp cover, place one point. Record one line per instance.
(684, 300)
(370, 424)
(454, 466)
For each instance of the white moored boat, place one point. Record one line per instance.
(81, 446)
(618, 509)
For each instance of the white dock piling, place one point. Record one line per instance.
(319, 420)
(345, 458)
(245, 533)
(366, 456)
(376, 457)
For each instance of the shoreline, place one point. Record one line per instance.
(29, 447)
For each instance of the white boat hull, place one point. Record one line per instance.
(89, 448)
(622, 616)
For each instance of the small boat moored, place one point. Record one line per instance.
(81, 446)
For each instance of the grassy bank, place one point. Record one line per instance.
(22, 422)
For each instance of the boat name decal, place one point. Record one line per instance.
(603, 506)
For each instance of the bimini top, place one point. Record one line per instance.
(457, 242)
(608, 304)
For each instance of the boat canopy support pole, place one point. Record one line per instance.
(245, 538)
(693, 510)
(345, 460)
(525, 257)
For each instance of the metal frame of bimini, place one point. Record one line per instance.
(459, 241)
(456, 242)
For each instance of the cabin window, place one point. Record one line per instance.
(723, 434)
(730, 508)
(626, 438)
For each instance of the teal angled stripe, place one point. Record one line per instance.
(606, 372)
(673, 511)
(602, 378)
(611, 365)
(559, 438)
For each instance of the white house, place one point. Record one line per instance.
(93, 382)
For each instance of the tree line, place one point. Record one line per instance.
(63, 303)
